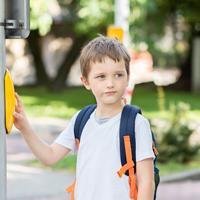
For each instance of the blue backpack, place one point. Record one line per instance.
(127, 143)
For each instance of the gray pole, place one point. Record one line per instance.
(2, 115)
(122, 11)
(196, 66)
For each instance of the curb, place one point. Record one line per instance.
(182, 176)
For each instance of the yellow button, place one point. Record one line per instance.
(9, 101)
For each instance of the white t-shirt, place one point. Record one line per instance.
(98, 157)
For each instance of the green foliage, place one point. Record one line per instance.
(187, 8)
(147, 25)
(81, 17)
(92, 15)
(40, 17)
(174, 144)
(143, 20)
(170, 22)
(88, 17)
(147, 21)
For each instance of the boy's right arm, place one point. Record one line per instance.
(48, 154)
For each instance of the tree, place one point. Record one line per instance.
(41, 22)
(81, 20)
(148, 22)
(86, 19)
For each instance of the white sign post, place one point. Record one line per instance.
(122, 12)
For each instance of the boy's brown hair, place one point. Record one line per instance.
(100, 48)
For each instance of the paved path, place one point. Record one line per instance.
(30, 183)
(34, 183)
(187, 190)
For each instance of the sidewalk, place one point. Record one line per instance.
(31, 183)
(24, 182)
(34, 183)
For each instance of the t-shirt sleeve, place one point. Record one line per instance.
(66, 137)
(143, 139)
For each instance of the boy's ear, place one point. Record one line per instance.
(85, 82)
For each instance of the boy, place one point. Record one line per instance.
(105, 71)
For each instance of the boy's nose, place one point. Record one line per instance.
(110, 83)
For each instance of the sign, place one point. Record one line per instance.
(115, 32)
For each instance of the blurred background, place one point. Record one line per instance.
(163, 38)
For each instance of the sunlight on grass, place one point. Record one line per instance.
(44, 103)
(69, 163)
(172, 167)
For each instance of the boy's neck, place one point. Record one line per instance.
(109, 110)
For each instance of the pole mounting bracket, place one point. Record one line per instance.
(12, 24)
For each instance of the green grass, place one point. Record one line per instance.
(40, 102)
(146, 97)
(69, 163)
(173, 167)
(44, 103)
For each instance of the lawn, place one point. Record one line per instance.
(44, 103)
(69, 164)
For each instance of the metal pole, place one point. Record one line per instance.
(196, 66)
(122, 11)
(2, 115)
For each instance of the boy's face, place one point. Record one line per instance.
(107, 80)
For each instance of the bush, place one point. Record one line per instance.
(174, 140)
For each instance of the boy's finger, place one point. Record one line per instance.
(16, 95)
(17, 109)
(16, 115)
(18, 99)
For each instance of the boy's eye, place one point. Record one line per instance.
(100, 76)
(118, 75)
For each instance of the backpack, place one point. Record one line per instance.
(127, 145)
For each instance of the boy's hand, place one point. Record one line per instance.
(20, 119)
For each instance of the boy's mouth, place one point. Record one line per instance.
(110, 93)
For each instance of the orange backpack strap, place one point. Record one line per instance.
(70, 190)
(155, 150)
(130, 167)
(77, 141)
